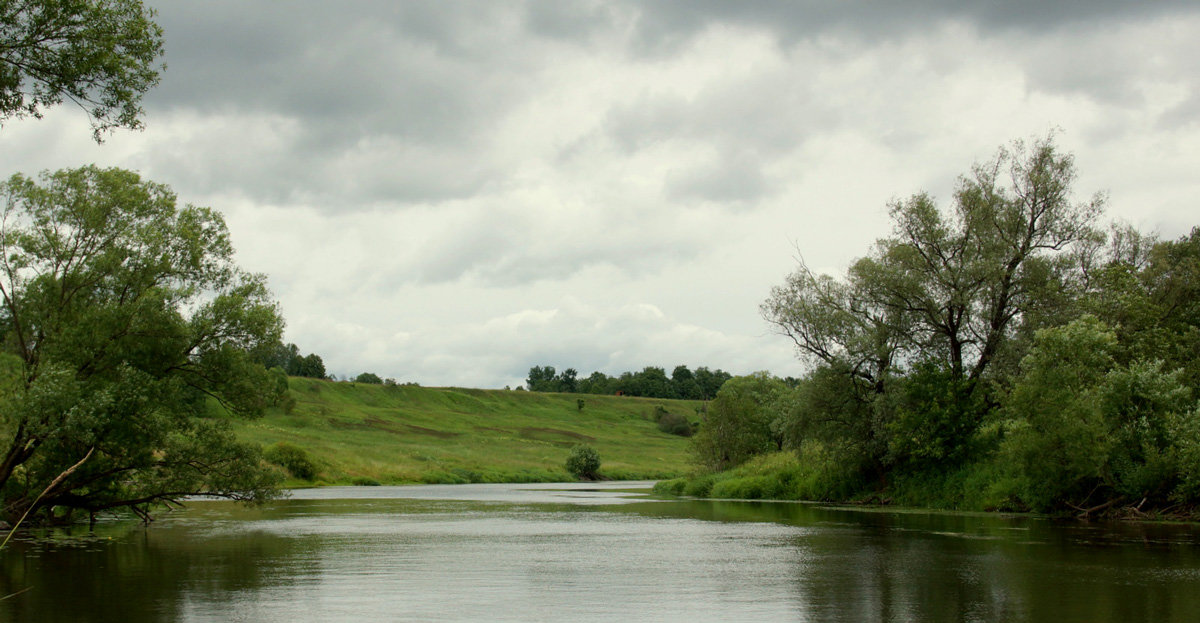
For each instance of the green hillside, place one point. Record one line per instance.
(395, 434)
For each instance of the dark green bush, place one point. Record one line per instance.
(674, 424)
(584, 462)
(292, 458)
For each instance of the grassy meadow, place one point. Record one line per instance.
(359, 433)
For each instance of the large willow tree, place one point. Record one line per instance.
(952, 285)
(934, 307)
(123, 320)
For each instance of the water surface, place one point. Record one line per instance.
(595, 553)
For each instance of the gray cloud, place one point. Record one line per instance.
(429, 185)
(666, 25)
(421, 85)
(732, 178)
(507, 249)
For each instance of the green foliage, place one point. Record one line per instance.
(934, 418)
(998, 354)
(368, 377)
(101, 55)
(838, 409)
(811, 473)
(542, 379)
(1086, 430)
(650, 382)
(292, 458)
(738, 424)
(950, 289)
(288, 358)
(673, 423)
(121, 314)
(584, 462)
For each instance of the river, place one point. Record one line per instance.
(594, 552)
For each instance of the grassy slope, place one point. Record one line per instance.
(401, 434)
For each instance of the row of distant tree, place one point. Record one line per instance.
(287, 357)
(651, 382)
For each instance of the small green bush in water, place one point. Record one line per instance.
(292, 458)
(584, 462)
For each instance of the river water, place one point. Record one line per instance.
(596, 552)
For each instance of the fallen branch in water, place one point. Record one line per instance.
(54, 483)
(1084, 512)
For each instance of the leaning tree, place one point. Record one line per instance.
(125, 326)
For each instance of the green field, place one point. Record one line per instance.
(393, 434)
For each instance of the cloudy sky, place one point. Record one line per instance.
(452, 192)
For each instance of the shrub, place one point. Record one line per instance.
(670, 487)
(370, 378)
(292, 458)
(584, 462)
(674, 424)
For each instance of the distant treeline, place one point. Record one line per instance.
(287, 357)
(651, 382)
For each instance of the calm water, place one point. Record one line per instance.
(595, 553)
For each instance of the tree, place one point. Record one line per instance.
(1152, 301)
(103, 55)
(584, 462)
(568, 381)
(122, 317)
(739, 422)
(944, 299)
(542, 379)
(369, 378)
(683, 384)
(310, 366)
(710, 381)
(952, 286)
(288, 358)
(1085, 429)
(652, 382)
(597, 383)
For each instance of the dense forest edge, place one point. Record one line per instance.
(1008, 353)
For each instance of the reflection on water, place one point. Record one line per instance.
(596, 553)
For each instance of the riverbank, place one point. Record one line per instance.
(783, 476)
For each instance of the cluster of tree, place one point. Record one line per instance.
(651, 382)
(123, 317)
(288, 358)
(1010, 341)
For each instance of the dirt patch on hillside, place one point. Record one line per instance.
(555, 436)
(421, 430)
(395, 428)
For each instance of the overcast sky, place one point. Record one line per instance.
(452, 192)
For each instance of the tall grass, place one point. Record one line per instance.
(408, 434)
